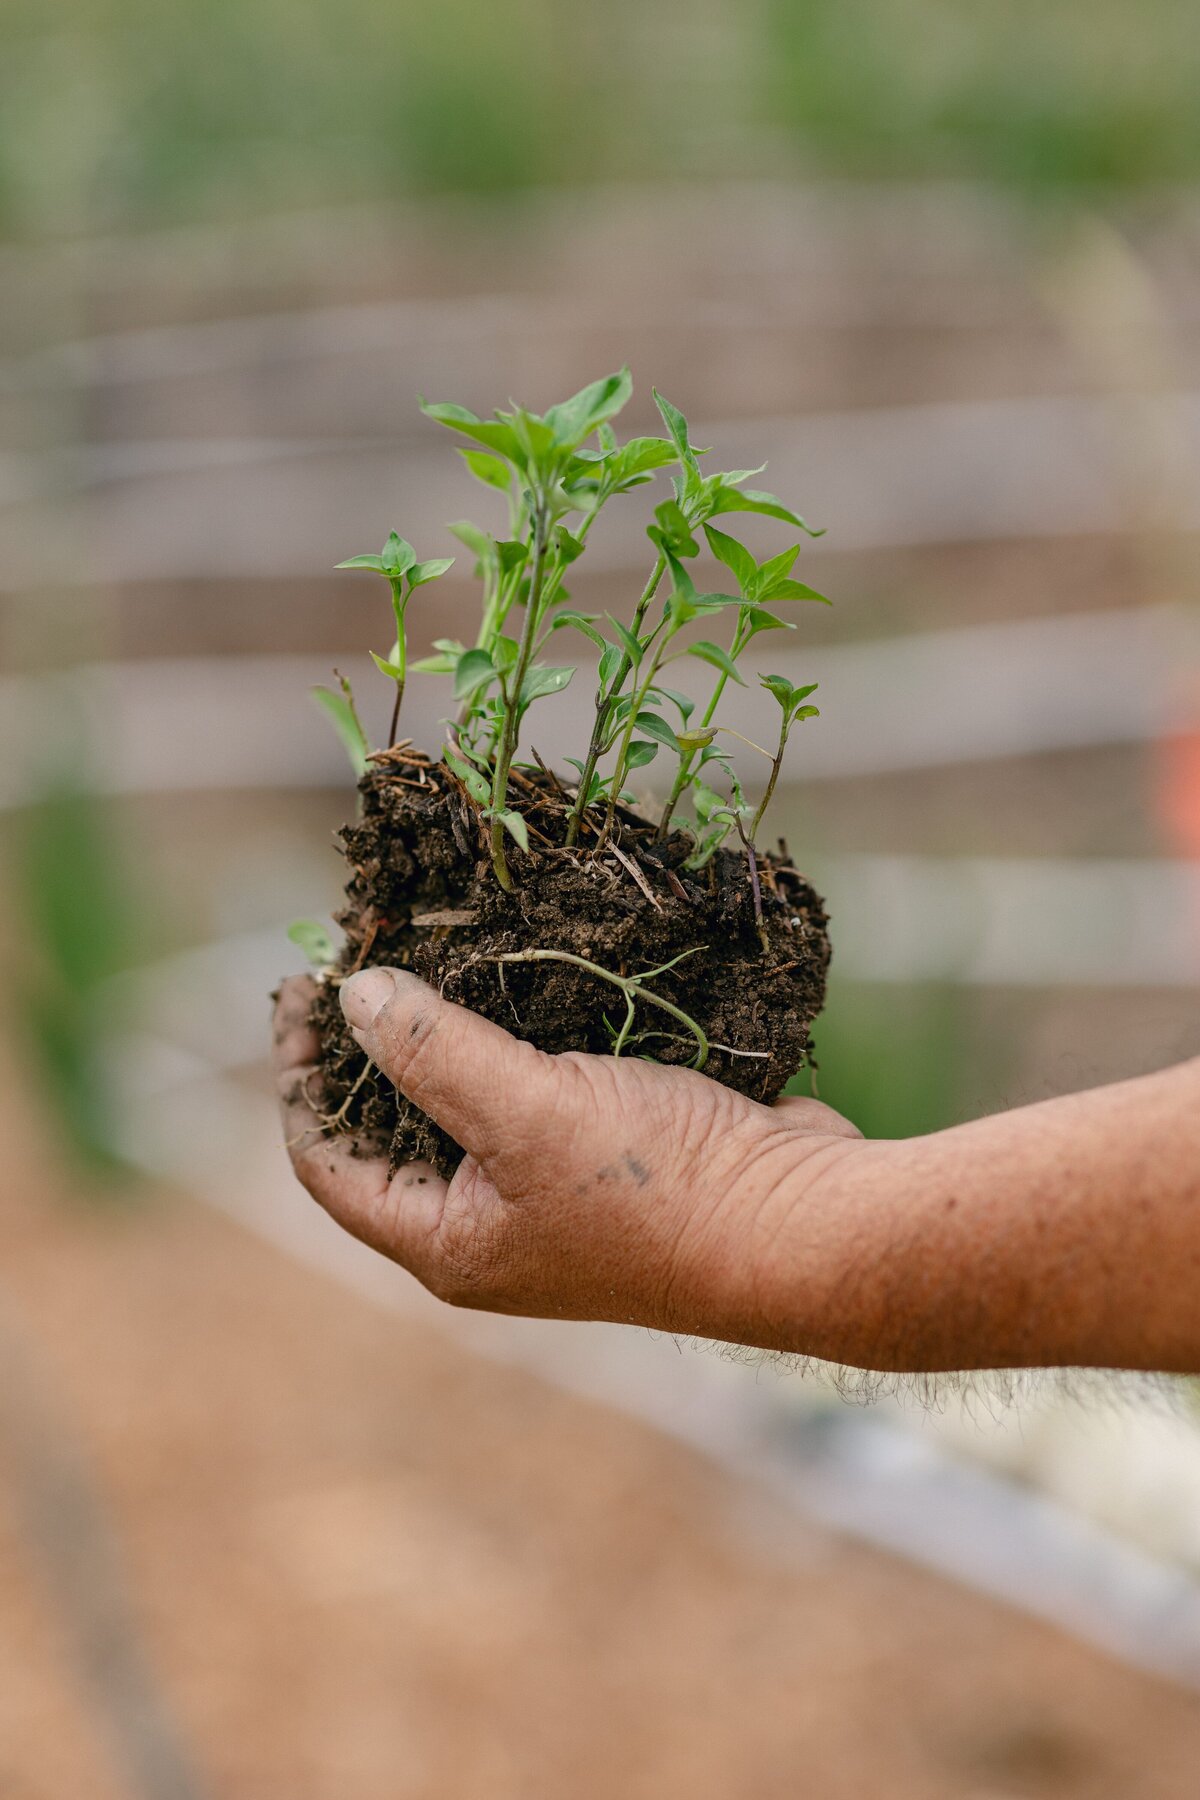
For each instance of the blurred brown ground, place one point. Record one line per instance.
(368, 1564)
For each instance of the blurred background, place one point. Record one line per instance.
(271, 1523)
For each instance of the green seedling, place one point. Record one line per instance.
(555, 473)
(397, 562)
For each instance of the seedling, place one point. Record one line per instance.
(557, 471)
(576, 887)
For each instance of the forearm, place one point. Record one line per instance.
(1064, 1233)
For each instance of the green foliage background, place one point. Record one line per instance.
(121, 113)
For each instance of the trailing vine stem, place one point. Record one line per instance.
(632, 987)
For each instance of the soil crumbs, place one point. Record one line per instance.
(746, 939)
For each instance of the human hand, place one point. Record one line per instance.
(593, 1187)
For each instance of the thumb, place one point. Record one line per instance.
(483, 1086)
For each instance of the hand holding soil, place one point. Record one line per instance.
(597, 1187)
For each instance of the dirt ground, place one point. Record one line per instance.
(365, 1564)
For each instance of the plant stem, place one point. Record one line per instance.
(618, 774)
(776, 765)
(630, 986)
(684, 772)
(506, 749)
(398, 606)
(604, 708)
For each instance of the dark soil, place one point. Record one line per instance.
(422, 895)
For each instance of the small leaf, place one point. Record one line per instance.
(677, 427)
(512, 553)
(340, 708)
(641, 455)
(675, 530)
(726, 499)
(580, 622)
(488, 469)
(516, 827)
(496, 434)
(762, 620)
(805, 712)
(698, 739)
(575, 419)
(686, 705)
(391, 669)
(422, 572)
(640, 753)
(657, 728)
(373, 562)
(474, 539)
(471, 779)
(735, 556)
(474, 668)
(633, 648)
(542, 679)
(505, 652)
(793, 590)
(610, 663)
(314, 940)
(569, 546)
(397, 556)
(775, 569)
(781, 687)
(706, 801)
(718, 658)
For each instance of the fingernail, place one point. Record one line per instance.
(364, 995)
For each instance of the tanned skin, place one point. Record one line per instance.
(1066, 1233)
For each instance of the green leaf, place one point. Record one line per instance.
(677, 427)
(314, 940)
(805, 712)
(373, 562)
(534, 436)
(633, 648)
(575, 419)
(699, 739)
(640, 456)
(762, 620)
(676, 533)
(718, 658)
(580, 622)
(569, 547)
(442, 664)
(610, 663)
(735, 556)
(706, 800)
(340, 708)
(726, 499)
(780, 686)
(488, 469)
(686, 705)
(474, 668)
(775, 570)
(471, 779)
(541, 679)
(495, 434)
(397, 556)
(640, 753)
(513, 554)
(388, 668)
(483, 545)
(657, 728)
(505, 652)
(794, 590)
(516, 827)
(422, 572)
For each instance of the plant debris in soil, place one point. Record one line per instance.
(422, 895)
